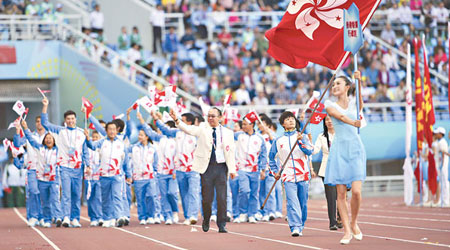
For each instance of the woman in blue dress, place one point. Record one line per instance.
(347, 158)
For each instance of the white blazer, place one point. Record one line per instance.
(202, 153)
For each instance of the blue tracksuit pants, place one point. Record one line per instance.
(234, 188)
(71, 180)
(168, 188)
(111, 196)
(248, 192)
(296, 203)
(145, 191)
(264, 189)
(189, 186)
(33, 204)
(49, 194)
(94, 203)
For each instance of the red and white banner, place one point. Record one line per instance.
(317, 117)
(87, 105)
(19, 108)
(147, 104)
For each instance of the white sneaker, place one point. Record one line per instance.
(94, 223)
(278, 215)
(100, 222)
(295, 233)
(41, 222)
(213, 218)
(237, 220)
(243, 218)
(33, 222)
(161, 217)
(427, 204)
(150, 221)
(258, 216)
(46, 225)
(265, 218)
(142, 222)
(66, 222)
(187, 222)
(169, 222)
(193, 220)
(252, 219)
(106, 223)
(175, 218)
(112, 223)
(75, 223)
(157, 220)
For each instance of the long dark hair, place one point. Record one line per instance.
(325, 132)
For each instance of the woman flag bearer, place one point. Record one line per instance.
(92, 184)
(112, 159)
(347, 158)
(73, 155)
(46, 172)
(166, 172)
(188, 180)
(143, 164)
(296, 173)
(251, 158)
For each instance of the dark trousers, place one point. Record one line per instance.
(215, 177)
(331, 195)
(157, 38)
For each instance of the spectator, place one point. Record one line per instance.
(173, 66)
(59, 15)
(393, 14)
(216, 95)
(199, 20)
(441, 15)
(224, 37)
(134, 53)
(104, 59)
(247, 38)
(390, 60)
(135, 38)
(388, 34)
(219, 17)
(32, 8)
(157, 21)
(282, 95)
(97, 19)
(242, 96)
(440, 57)
(171, 41)
(188, 39)
(124, 40)
(46, 7)
(383, 75)
(400, 92)
(382, 94)
(416, 4)
(227, 4)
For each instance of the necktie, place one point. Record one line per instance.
(214, 138)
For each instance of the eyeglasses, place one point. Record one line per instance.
(212, 116)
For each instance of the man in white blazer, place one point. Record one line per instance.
(214, 159)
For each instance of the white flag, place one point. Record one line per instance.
(147, 104)
(408, 174)
(19, 108)
(205, 108)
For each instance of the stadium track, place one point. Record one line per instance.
(385, 222)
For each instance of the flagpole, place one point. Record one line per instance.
(306, 124)
(355, 63)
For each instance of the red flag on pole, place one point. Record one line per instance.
(88, 105)
(251, 117)
(313, 104)
(420, 119)
(312, 31)
(317, 117)
(429, 121)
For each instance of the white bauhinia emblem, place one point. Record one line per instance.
(328, 12)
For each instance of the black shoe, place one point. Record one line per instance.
(205, 225)
(127, 222)
(222, 230)
(339, 223)
(120, 222)
(334, 227)
(58, 222)
(271, 218)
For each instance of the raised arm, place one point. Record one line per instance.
(165, 130)
(147, 129)
(188, 129)
(44, 119)
(19, 141)
(100, 129)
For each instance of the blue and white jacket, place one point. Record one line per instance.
(297, 167)
(143, 161)
(113, 157)
(251, 152)
(46, 161)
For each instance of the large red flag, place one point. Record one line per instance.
(420, 106)
(88, 105)
(312, 31)
(429, 122)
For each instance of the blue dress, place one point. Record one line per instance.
(347, 157)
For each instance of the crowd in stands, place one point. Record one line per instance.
(237, 61)
(44, 9)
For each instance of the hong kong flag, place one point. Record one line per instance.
(312, 31)
(317, 117)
